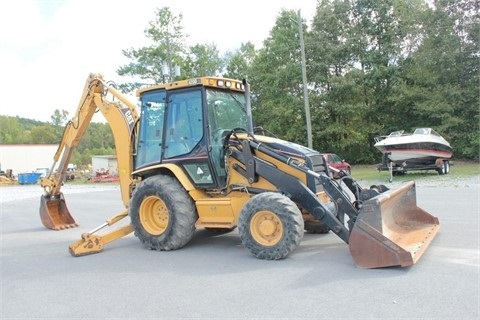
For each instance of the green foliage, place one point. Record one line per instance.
(16, 130)
(373, 67)
(98, 139)
(44, 134)
(167, 49)
(203, 60)
(84, 158)
(59, 117)
(157, 63)
(439, 81)
(276, 82)
(10, 130)
(239, 63)
(382, 66)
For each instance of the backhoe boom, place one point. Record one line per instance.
(122, 117)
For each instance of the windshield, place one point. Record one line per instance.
(226, 110)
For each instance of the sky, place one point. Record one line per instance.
(49, 47)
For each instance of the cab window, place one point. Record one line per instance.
(184, 124)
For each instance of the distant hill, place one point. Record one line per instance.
(26, 123)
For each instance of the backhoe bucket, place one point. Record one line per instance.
(54, 213)
(391, 230)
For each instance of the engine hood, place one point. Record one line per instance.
(286, 147)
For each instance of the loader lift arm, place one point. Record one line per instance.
(122, 117)
(384, 228)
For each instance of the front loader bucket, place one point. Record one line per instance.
(391, 230)
(54, 213)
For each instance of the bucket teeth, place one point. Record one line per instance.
(66, 226)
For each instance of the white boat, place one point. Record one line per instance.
(422, 147)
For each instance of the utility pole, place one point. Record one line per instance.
(304, 80)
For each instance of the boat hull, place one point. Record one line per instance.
(424, 146)
(415, 155)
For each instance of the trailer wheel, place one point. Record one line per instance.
(270, 226)
(446, 165)
(444, 168)
(162, 214)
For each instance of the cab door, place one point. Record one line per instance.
(150, 136)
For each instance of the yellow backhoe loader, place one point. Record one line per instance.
(191, 159)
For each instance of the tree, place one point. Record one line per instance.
(355, 49)
(167, 50)
(277, 103)
(386, 30)
(239, 63)
(202, 60)
(59, 118)
(10, 130)
(338, 105)
(440, 78)
(45, 134)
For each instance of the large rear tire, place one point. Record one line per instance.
(162, 213)
(270, 226)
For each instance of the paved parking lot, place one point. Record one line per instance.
(214, 277)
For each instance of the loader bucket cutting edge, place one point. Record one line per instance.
(391, 230)
(54, 213)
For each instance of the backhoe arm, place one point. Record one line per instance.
(72, 135)
(122, 117)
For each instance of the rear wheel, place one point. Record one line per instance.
(270, 226)
(162, 213)
(440, 170)
(444, 168)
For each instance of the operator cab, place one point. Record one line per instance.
(184, 123)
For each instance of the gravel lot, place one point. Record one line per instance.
(214, 277)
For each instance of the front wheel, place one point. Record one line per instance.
(162, 213)
(270, 226)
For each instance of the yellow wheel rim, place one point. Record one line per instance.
(266, 228)
(154, 215)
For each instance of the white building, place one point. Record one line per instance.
(22, 158)
(104, 163)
